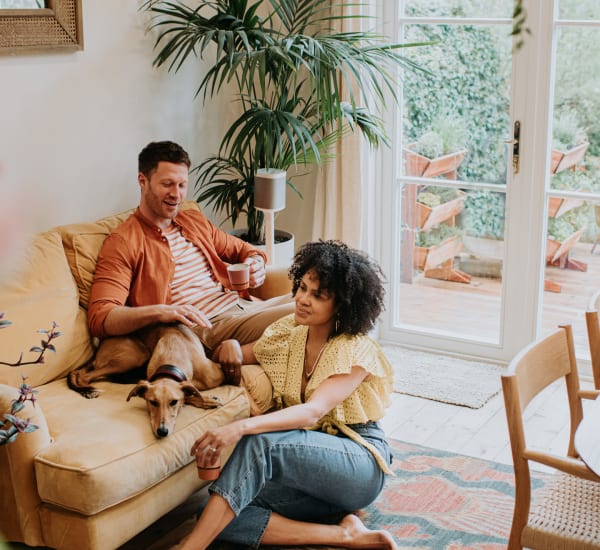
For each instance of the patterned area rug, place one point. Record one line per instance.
(442, 377)
(441, 500)
(444, 501)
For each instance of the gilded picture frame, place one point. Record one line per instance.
(54, 28)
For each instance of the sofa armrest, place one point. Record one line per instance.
(277, 283)
(19, 500)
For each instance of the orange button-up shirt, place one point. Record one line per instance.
(135, 266)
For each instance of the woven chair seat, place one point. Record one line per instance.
(565, 514)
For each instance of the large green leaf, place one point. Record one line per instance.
(302, 84)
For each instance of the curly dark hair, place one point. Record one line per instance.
(157, 151)
(354, 279)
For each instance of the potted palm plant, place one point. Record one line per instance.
(301, 86)
(569, 142)
(438, 151)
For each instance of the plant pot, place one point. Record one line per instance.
(420, 166)
(484, 248)
(557, 251)
(561, 160)
(490, 268)
(429, 217)
(433, 256)
(558, 255)
(284, 246)
(557, 206)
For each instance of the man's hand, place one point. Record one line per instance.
(257, 271)
(125, 319)
(188, 315)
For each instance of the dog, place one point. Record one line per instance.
(177, 371)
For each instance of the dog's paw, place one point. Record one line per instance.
(90, 393)
(204, 401)
(212, 402)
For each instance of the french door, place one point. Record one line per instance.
(489, 190)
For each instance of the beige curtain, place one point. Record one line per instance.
(338, 192)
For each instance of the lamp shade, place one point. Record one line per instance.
(269, 189)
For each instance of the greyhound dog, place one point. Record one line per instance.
(177, 370)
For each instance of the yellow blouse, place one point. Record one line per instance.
(280, 351)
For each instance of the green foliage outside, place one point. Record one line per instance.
(567, 131)
(483, 215)
(562, 227)
(469, 81)
(578, 64)
(447, 134)
(471, 77)
(434, 196)
(437, 235)
(469, 88)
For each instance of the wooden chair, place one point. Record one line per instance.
(593, 330)
(597, 216)
(566, 511)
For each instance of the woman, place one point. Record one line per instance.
(320, 454)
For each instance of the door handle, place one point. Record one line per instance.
(516, 143)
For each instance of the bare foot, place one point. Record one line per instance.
(358, 536)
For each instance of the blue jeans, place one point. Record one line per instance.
(300, 474)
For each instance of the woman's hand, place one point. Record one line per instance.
(208, 447)
(230, 356)
(229, 353)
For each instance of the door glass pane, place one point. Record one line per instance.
(572, 271)
(21, 4)
(579, 9)
(455, 122)
(459, 8)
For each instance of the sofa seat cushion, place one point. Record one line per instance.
(103, 450)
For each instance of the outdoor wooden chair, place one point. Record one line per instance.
(593, 330)
(566, 511)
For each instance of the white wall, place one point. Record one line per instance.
(71, 125)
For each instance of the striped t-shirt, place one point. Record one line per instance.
(193, 281)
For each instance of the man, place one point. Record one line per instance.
(166, 265)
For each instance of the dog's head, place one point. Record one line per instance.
(164, 399)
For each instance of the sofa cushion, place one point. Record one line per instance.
(37, 292)
(260, 390)
(104, 451)
(82, 243)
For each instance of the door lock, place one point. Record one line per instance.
(516, 147)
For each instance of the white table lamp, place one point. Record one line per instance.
(269, 197)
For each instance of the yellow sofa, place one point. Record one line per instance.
(93, 475)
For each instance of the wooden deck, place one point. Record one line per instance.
(434, 303)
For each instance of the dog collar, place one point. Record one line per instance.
(171, 371)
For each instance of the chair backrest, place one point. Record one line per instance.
(593, 330)
(536, 367)
(532, 370)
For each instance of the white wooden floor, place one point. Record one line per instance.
(480, 432)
